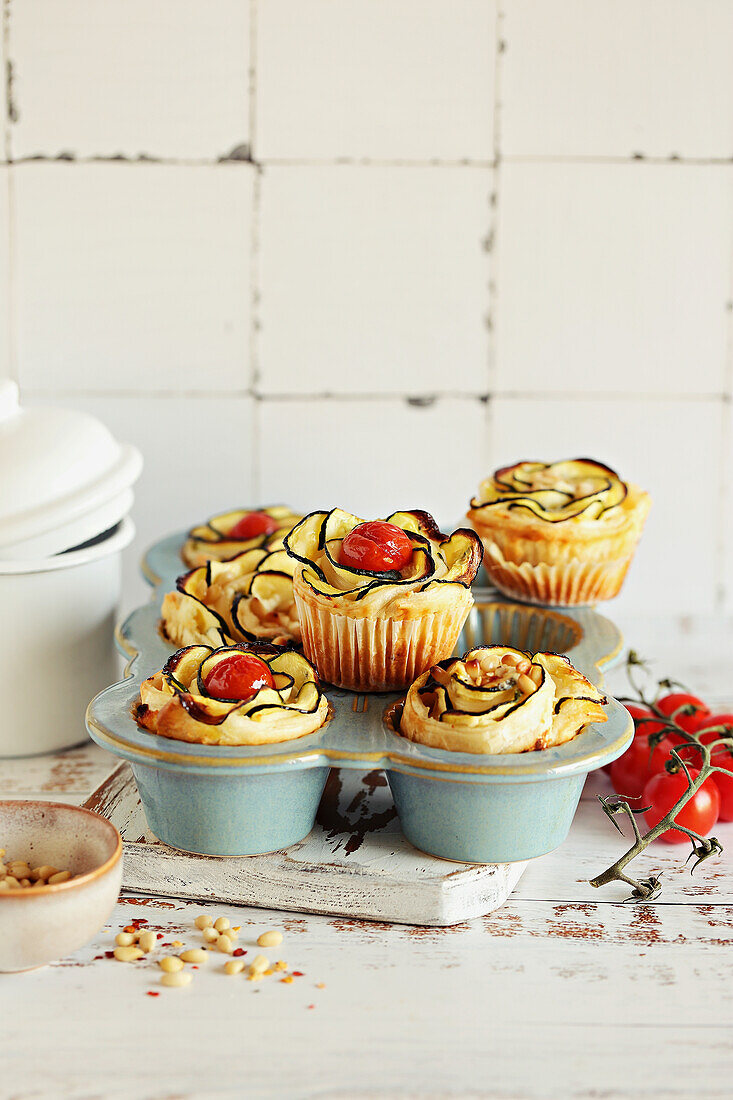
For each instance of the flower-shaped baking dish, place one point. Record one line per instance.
(247, 800)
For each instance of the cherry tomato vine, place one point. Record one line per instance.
(692, 746)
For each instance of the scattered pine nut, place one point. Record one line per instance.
(194, 955)
(270, 939)
(259, 962)
(234, 966)
(177, 979)
(124, 939)
(210, 935)
(224, 944)
(127, 954)
(147, 941)
(170, 964)
(203, 921)
(221, 924)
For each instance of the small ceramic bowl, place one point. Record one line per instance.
(39, 925)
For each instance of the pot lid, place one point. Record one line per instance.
(57, 465)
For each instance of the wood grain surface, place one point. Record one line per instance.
(562, 993)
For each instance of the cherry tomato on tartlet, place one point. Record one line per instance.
(252, 526)
(668, 704)
(699, 814)
(238, 677)
(376, 547)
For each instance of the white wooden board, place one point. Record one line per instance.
(355, 862)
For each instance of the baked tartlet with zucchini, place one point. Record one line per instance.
(561, 533)
(246, 599)
(378, 602)
(495, 700)
(230, 533)
(233, 695)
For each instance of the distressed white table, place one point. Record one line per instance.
(562, 993)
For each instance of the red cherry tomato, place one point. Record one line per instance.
(632, 770)
(722, 757)
(238, 676)
(704, 722)
(376, 547)
(668, 704)
(252, 525)
(699, 814)
(644, 724)
(638, 712)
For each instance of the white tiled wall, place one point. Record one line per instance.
(362, 251)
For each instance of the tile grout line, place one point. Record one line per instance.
(9, 211)
(725, 525)
(255, 287)
(416, 399)
(492, 243)
(227, 160)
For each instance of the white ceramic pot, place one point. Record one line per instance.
(45, 923)
(58, 616)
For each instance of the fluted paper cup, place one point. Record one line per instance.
(383, 653)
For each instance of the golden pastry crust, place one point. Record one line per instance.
(562, 532)
(437, 561)
(496, 699)
(246, 599)
(210, 541)
(174, 703)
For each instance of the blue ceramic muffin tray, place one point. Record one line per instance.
(242, 800)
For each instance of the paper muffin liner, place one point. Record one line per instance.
(376, 654)
(566, 565)
(563, 585)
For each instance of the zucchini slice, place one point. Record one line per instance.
(315, 544)
(555, 491)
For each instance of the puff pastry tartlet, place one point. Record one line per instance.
(374, 618)
(496, 699)
(230, 533)
(246, 599)
(187, 700)
(559, 533)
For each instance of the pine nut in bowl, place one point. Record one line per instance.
(54, 914)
